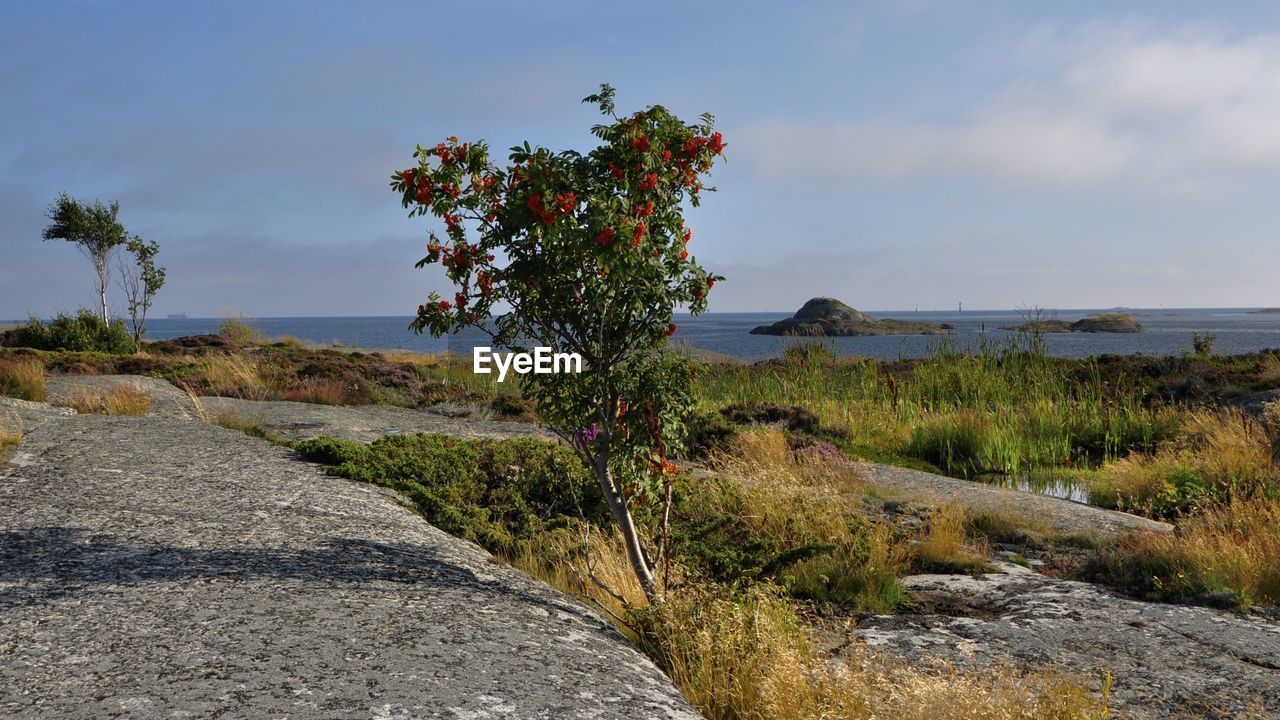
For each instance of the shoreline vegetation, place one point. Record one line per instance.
(777, 535)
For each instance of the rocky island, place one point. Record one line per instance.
(1105, 323)
(828, 317)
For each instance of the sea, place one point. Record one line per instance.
(1167, 331)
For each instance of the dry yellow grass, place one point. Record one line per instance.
(944, 543)
(788, 495)
(396, 355)
(198, 408)
(317, 390)
(119, 400)
(590, 565)
(10, 434)
(794, 501)
(1231, 547)
(1271, 416)
(122, 400)
(1231, 447)
(1217, 455)
(253, 427)
(764, 458)
(234, 376)
(1270, 373)
(22, 378)
(1004, 524)
(1220, 480)
(238, 330)
(289, 341)
(749, 657)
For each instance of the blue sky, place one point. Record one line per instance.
(892, 154)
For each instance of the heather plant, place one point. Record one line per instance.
(589, 252)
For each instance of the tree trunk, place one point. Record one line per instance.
(100, 263)
(622, 515)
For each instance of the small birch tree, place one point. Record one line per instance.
(94, 229)
(140, 280)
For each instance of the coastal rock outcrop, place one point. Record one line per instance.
(828, 317)
(1107, 323)
(1104, 323)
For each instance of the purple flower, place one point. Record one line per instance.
(590, 432)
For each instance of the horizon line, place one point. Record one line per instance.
(248, 317)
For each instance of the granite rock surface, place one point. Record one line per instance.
(1163, 660)
(161, 567)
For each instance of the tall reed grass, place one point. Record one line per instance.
(1002, 409)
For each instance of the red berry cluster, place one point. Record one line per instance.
(462, 256)
(449, 156)
(561, 205)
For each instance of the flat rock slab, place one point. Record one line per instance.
(23, 416)
(159, 567)
(292, 420)
(1166, 660)
(1061, 516)
(362, 423)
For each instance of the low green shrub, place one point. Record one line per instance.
(708, 432)
(791, 418)
(83, 332)
(492, 492)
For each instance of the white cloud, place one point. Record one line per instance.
(1178, 111)
(1011, 146)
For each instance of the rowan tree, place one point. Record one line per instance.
(585, 253)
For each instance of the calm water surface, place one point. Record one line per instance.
(1168, 332)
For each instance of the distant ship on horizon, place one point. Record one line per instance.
(176, 316)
